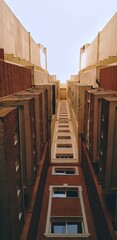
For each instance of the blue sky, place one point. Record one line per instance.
(63, 26)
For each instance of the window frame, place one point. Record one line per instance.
(64, 145)
(65, 169)
(63, 155)
(64, 192)
(66, 220)
(63, 137)
(49, 217)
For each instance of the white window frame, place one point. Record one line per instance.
(63, 155)
(48, 220)
(66, 220)
(64, 137)
(63, 129)
(65, 168)
(73, 151)
(64, 145)
(64, 195)
(63, 126)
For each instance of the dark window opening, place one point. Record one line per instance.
(64, 156)
(64, 145)
(65, 171)
(64, 137)
(63, 130)
(70, 172)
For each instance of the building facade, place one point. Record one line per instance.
(57, 141)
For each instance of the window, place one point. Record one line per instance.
(63, 113)
(62, 145)
(64, 171)
(58, 227)
(63, 121)
(59, 194)
(65, 130)
(70, 171)
(63, 126)
(60, 172)
(63, 137)
(64, 155)
(65, 193)
(66, 226)
(74, 227)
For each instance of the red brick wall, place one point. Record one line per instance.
(66, 207)
(108, 78)
(101, 217)
(13, 78)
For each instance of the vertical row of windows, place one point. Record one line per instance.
(64, 226)
(57, 225)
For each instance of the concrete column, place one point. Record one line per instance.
(98, 47)
(45, 52)
(29, 47)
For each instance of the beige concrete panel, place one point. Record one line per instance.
(89, 56)
(63, 85)
(40, 77)
(108, 39)
(14, 38)
(35, 52)
(88, 78)
(52, 78)
(74, 78)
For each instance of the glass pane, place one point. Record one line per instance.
(74, 227)
(60, 171)
(72, 193)
(59, 194)
(80, 230)
(70, 172)
(58, 227)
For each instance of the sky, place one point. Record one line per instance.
(63, 27)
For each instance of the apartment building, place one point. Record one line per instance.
(57, 141)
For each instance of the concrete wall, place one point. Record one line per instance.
(63, 89)
(74, 78)
(89, 56)
(52, 78)
(40, 77)
(34, 53)
(88, 77)
(103, 46)
(14, 38)
(108, 39)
